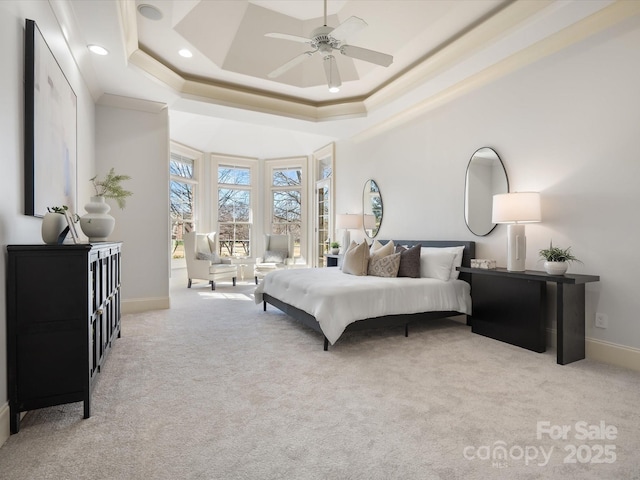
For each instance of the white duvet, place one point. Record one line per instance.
(337, 299)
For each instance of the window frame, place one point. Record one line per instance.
(272, 165)
(240, 162)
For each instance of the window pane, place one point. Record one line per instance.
(287, 206)
(324, 168)
(181, 166)
(234, 239)
(234, 205)
(291, 177)
(234, 175)
(181, 198)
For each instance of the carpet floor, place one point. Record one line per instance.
(215, 388)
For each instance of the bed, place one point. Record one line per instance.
(332, 302)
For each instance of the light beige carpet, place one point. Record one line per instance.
(217, 389)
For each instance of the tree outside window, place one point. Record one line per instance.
(181, 199)
(234, 211)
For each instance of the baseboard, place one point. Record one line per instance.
(137, 305)
(613, 354)
(605, 352)
(5, 430)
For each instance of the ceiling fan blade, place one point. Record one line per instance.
(286, 36)
(290, 64)
(367, 55)
(332, 73)
(347, 28)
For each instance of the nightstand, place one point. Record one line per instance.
(333, 260)
(511, 307)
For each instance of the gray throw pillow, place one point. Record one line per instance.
(385, 266)
(274, 256)
(409, 261)
(212, 257)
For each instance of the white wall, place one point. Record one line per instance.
(135, 141)
(566, 126)
(15, 227)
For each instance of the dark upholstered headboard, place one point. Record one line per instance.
(468, 253)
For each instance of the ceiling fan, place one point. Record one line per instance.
(327, 39)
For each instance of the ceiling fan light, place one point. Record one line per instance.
(333, 76)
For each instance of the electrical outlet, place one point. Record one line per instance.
(602, 320)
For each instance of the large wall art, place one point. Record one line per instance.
(50, 129)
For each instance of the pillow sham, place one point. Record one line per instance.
(378, 250)
(274, 256)
(386, 266)
(356, 260)
(212, 257)
(436, 264)
(409, 261)
(457, 261)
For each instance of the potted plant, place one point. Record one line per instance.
(97, 224)
(54, 223)
(110, 187)
(335, 248)
(557, 259)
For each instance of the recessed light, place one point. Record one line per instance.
(98, 50)
(334, 89)
(185, 52)
(149, 11)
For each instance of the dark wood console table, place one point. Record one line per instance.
(63, 313)
(511, 307)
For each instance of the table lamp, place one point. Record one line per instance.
(516, 209)
(346, 222)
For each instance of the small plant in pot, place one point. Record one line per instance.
(54, 224)
(335, 248)
(97, 224)
(557, 259)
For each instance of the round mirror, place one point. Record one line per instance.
(371, 208)
(485, 178)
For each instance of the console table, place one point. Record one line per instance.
(511, 307)
(63, 313)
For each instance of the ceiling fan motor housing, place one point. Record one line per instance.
(322, 40)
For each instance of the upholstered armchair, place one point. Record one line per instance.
(278, 254)
(203, 261)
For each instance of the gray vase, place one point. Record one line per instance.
(52, 226)
(97, 224)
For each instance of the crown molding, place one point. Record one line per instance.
(607, 17)
(238, 96)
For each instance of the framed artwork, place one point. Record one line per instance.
(72, 226)
(50, 151)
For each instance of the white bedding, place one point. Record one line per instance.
(336, 299)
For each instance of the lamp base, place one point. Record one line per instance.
(516, 247)
(346, 240)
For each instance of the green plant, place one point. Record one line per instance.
(59, 210)
(110, 187)
(557, 254)
(335, 245)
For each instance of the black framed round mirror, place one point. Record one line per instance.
(371, 208)
(486, 177)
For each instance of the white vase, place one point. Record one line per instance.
(52, 226)
(556, 268)
(97, 224)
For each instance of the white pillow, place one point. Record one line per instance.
(435, 264)
(457, 261)
(356, 260)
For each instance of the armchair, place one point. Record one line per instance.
(203, 262)
(278, 254)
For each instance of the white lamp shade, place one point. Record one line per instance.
(369, 221)
(349, 221)
(518, 207)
